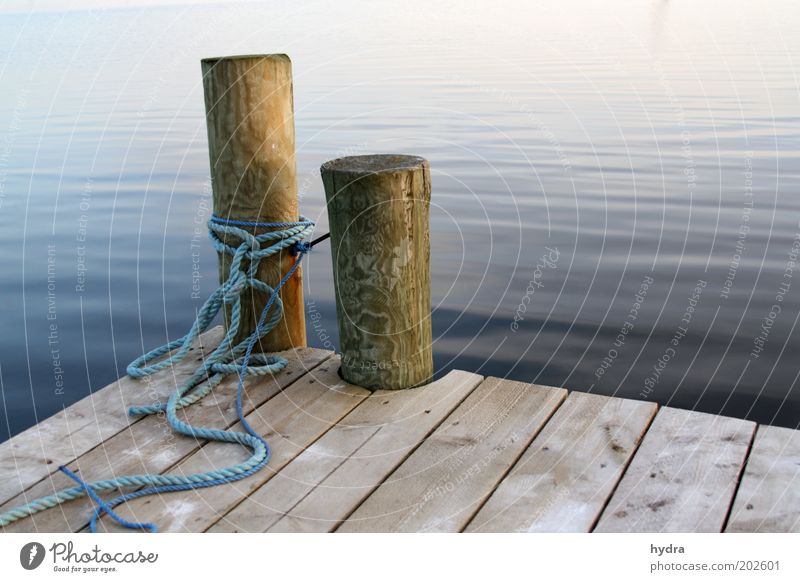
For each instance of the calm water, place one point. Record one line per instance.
(615, 186)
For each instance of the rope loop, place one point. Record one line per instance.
(228, 358)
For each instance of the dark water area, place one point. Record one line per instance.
(615, 186)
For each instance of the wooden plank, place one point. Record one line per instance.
(290, 422)
(150, 446)
(768, 499)
(32, 455)
(683, 477)
(563, 480)
(323, 486)
(441, 485)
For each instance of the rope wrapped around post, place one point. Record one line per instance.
(224, 360)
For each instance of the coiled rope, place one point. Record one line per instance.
(224, 360)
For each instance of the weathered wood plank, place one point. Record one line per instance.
(290, 422)
(683, 477)
(563, 480)
(441, 485)
(32, 455)
(321, 487)
(768, 499)
(150, 446)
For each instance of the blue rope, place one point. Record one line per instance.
(105, 507)
(231, 222)
(226, 359)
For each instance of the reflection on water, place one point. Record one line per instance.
(647, 144)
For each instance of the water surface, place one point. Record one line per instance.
(615, 185)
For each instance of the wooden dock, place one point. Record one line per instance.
(465, 453)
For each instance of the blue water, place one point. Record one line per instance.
(615, 185)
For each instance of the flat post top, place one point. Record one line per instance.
(271, 57)
(375, 164)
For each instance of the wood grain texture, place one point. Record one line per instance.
(323, 486)
(251, 143)
(378, 210)
(768, 499)
(33, 454)
(290, 421)
(683, 476)
(441, 485)
(150, 446)
(562, 482)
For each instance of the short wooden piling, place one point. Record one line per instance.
(251, 143)
(378, 209)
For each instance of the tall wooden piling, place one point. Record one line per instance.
(378, 209)
(251, 144)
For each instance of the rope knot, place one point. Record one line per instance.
(301, 247)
